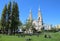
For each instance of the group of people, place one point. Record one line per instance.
(47, 36)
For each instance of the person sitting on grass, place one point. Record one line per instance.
(28, 39)
(47, 36)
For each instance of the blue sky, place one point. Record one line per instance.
(50, 9)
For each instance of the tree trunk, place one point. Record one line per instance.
(9, 32)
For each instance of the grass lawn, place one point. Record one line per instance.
(54, 37)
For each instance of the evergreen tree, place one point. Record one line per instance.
(29, 23)
(3, 18)
(0, 24)
(15, 16)
(9, 17)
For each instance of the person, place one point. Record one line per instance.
(28, 39)
(45, 36)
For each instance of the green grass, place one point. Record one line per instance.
(54, 37)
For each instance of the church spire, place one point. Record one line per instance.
(39, 9)
(39, 15)
(30, 16)
(40, 21)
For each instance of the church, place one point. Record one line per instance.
(38, 24)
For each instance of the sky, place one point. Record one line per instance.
(50, 10)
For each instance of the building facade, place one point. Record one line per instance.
(38, 24)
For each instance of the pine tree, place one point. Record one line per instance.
(0, 24)
(15, 16)
(29, 23)
(9, 17)
(3, 18)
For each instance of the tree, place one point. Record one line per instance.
(15, 17)
(0, 24)
(9, 17)
(20, 23)
(3, 18)
(28, 23)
